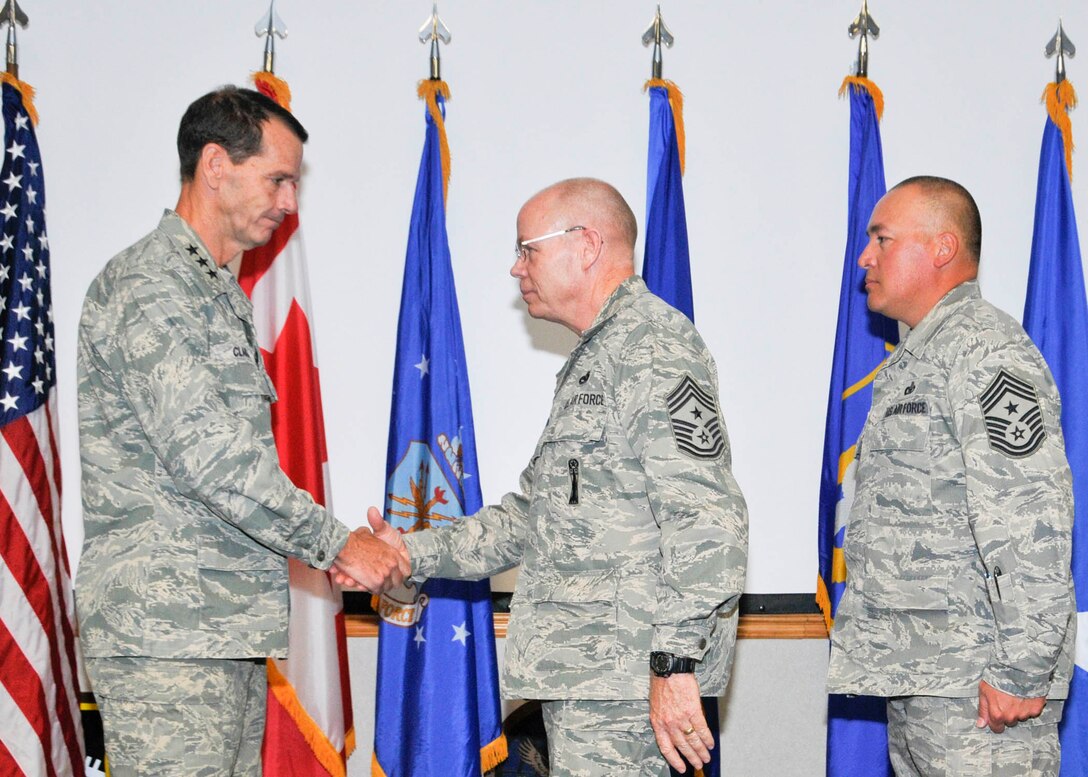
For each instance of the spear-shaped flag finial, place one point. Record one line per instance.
(11, 14)
(270, 26)
(1059, 46)
(862, 27)
(657, 33)
(433, 31)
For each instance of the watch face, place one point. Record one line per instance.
(660, 662)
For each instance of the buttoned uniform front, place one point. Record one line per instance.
(629, 527)
(959, 537)
(188, 518)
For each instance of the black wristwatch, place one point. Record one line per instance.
(665, 664)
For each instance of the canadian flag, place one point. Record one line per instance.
(309, 729)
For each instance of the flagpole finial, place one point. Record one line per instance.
(433, 31)
(11, 14)
(270, 26)
(657, 33)
(861, 28)
(1059, 46)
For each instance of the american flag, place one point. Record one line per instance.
(41, 732)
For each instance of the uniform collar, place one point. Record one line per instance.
(918, 338)
(622, 297)
(217, 280)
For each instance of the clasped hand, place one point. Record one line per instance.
(375, 560)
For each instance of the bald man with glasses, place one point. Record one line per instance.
(628, 525)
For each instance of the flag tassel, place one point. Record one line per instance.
(870, 87)
(26, 90)
(1061, 98)
(430, 90)
(270, 85)
(676, 102)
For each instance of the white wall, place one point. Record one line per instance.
(541, 91)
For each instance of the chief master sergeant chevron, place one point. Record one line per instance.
(959, 600)
(182, 586)
(629, 528)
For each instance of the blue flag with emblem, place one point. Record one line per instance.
(1056, 318)
(666, 265)
(437, 707)
(857, 740)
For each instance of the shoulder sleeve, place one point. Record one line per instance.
(667, 397)
(1007, 416)
(213, 452)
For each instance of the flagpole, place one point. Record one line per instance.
(1056, 319)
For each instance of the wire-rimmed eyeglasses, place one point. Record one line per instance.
(520, 251)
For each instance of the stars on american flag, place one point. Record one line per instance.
(27, 359)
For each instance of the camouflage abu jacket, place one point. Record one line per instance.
(630, 529)
(188, 518)
(959, 539)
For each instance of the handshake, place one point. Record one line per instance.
(374, 562)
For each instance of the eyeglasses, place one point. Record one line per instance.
(521, 253)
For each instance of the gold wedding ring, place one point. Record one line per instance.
(688, 731)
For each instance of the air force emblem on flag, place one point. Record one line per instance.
(1014, 420)
(693, 414)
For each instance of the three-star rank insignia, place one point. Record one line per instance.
(693, 415)
(1014, 420)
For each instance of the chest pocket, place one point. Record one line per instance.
(235, 356)
(904, 569)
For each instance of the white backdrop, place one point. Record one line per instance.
(542, 91)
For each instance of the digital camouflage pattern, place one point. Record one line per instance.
(190, 718)
(628, 543)
(933, 736)
(188, 518)
(959, 538)
(594, 738)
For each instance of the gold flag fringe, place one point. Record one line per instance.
(868, 86)
(430, 90)
(1061, 98)
(823, 601)
(490, 757)
(676, 102)
(322, 748)
(272, 86)
(26, 90)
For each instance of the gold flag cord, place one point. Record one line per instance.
(1061, 98)
(676, 102)
(430, 90)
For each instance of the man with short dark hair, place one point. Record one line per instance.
(959, 604)
(629, 527)
(182, 587)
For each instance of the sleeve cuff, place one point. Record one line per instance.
(423, 553)
(329, 544)
(1017, 682)
(689, 640)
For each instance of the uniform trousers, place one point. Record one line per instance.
(190, 718)
(594, 738)
(934, 736)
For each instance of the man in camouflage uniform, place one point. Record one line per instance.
(182, 588)
(629, 528)
(959, 604)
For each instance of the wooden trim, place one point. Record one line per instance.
(786, 626)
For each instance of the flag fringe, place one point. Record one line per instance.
(430, 90)
(493, 754)
(26, 90)
(1061, 98)
(272, 86)
(868, 86)
(676, 102)
(823, 601)
(324, 751)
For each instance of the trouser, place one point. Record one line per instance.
(190, 718)
(933, 736)
(596, 738)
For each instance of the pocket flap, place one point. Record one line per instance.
(585, 424)
(597, 586)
